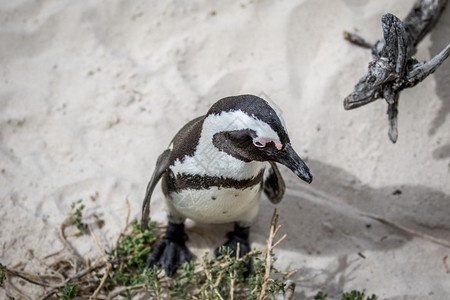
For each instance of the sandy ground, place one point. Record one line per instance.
(91, 92)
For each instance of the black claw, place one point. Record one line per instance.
(155, 255)
(185, 256)
(171, 252)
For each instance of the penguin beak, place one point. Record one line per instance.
(290, 159)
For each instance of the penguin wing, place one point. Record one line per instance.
(162, 164)
(274, 186)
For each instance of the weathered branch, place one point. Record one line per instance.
(393, 68)
(421, 71)
(422, 18)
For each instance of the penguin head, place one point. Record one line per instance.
(249, 129)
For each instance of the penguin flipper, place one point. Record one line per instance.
(274, 185)
(162, 164)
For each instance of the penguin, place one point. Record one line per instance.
(213, 172)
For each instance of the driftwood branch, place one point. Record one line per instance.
(393, 67)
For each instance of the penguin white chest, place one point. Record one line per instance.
(217, 205)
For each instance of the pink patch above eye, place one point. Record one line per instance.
(261, 142)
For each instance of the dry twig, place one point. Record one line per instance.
(62, 235)
(108, 266)
(270, 245)
(444, 261)
(217, 272)
(410, 231)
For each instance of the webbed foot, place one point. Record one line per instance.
(171, 252)
(238, 236)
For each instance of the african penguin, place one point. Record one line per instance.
(213, 172)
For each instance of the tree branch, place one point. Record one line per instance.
(393, 68)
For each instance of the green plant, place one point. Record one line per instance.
(2, 274)
(77, 217)
(123, 271)
(357, 295)
(127, 294)
(131, 254)
(68, 292)
(321, 296)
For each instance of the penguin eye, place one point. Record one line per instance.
(259, 144)
(262, 142)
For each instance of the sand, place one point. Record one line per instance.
(91, 92)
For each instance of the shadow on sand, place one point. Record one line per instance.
(327, 219)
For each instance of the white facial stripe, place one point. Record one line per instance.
(208, 160)
(213, 162)
(236, 120)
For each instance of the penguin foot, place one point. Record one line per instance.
(238, 236)
(171, 252)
